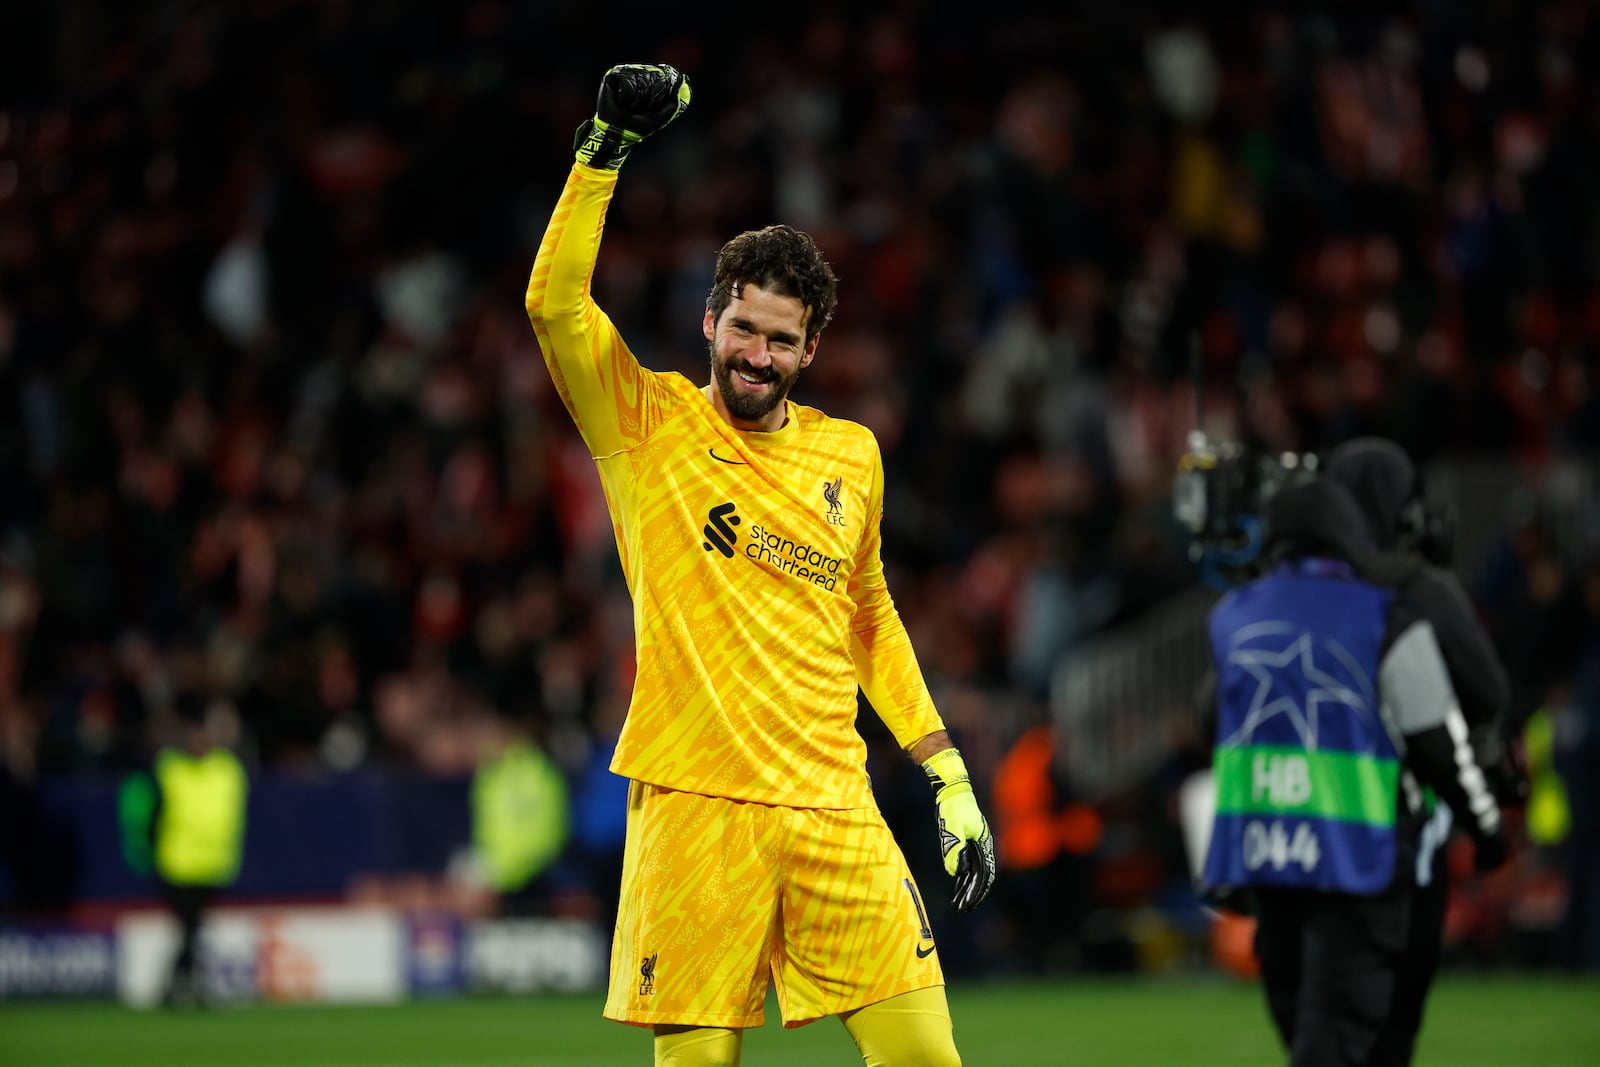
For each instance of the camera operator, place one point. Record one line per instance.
(1413, 555)
(1334, 709)
(1412, 548)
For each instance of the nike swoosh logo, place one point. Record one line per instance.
(924, 953)
(735, 462)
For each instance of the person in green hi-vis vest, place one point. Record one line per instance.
(521, 816)
(183, 822)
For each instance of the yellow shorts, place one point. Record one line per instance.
(718, 893)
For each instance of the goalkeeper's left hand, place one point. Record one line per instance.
(964, 835)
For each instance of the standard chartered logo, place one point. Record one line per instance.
(719, 530)
(798, 559)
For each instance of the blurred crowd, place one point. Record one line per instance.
(273, 426)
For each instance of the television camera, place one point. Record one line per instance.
(1220, 497)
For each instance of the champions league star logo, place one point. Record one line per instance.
(1296, 655)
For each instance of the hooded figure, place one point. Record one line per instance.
(1315, 518)
(1379, 475)
(1381, 478)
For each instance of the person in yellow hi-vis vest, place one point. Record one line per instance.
(1549, 817)
(521, 817)
(191, 811)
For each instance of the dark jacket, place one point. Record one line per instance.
(1381, 478)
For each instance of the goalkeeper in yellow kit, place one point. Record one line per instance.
(748, 528)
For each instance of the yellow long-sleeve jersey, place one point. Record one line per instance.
(759, 601)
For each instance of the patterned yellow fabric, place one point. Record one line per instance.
(717, 893)
(759, 599)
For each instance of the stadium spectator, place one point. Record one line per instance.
(343, 407)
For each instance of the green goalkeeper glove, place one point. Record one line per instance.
(964, 835)
(635, 100)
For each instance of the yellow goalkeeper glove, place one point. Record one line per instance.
(635, 100)
(964, 835)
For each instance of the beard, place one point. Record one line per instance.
(741, 405)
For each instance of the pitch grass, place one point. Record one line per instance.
(1472, 1022)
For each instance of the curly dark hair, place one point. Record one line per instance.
(780, 259)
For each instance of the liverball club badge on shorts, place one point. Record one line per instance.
(647, 974)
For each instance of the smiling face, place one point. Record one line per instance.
(758, 348)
